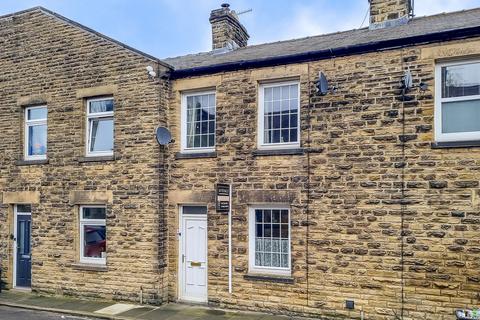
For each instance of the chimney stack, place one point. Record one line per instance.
(389, 13)
(227, 31)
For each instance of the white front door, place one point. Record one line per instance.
(193, 256)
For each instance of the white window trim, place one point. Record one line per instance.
(31, 123)
(183, 120)
(90, 222)
(98, 115)
(450, 137)
(261, 112)
(252, 268)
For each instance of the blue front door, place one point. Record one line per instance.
(24, 259)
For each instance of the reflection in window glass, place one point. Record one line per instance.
(461, 80)
(100, 133)
(94, 241)
(93, 235)
(35, 133)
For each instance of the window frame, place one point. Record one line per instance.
(261, 117)
(252, 268)
(439, 100)
(91, 222)
(98, 115)
(183, 120)
(33, 123)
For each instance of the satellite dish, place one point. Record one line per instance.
(407, 80)
(322, 84)
(163, 136)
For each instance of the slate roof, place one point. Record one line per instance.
(420, 26)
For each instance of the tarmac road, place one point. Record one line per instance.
(7, 313)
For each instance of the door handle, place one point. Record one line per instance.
(183, 258)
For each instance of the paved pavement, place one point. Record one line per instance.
(31, 306)
(7, 313)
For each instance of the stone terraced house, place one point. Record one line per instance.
(278, 192)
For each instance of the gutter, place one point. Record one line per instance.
(330, 53)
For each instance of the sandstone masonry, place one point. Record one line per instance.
(380, 213)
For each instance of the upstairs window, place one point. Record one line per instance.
(457, 103)
(36, 133)
(100, 127)
(279, 120)
(93, 234)
(269, 240)
(198, 122)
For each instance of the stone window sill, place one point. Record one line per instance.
(455, 144)
(278, 152)
(199, 155)
(31, 162)
(269, 278)
(96, 159)
(90, 267)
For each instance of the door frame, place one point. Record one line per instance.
(15, 233)
(181, 250)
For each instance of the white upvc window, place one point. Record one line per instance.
(279, 115)
(35, 133)
(93, 234)
(198, 122)
(457, 101)
(100, 127)
(269, 240)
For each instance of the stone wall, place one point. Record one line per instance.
(47, 60)
(369, 190)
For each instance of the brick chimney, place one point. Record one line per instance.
(389, 13)
(227, 31)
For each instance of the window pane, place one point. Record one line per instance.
(462, 116)
(194, 210)
(271, 238)
(461, 80)
(94, 241)
(258, 215)
(37, 140)
(24, 208)
(101, 134)
(101, 106)
(37, 113)
(94, 213)
(280, 114)
(200, 121)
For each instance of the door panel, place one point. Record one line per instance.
(194, 264)
(24, 258)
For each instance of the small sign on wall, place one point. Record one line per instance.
(223, 198)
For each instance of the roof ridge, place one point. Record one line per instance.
(320, 35)
(89, 30)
